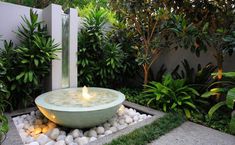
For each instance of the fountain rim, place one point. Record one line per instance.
(40, 102)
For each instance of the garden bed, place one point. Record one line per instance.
(13, 137)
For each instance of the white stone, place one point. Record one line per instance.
(61, 142)
(93, 139)
(28, 139)
(100, 130)
(92, 133)
(115, 124)
(54, 133)
(68, 139)
(45, 120)
(32, 113)
(107, 132)
(42, 139)
(86, 133)
(51, 125)
(38, 114)
(106, 125)
(37, 130)
(99, 136)
(62, 132)
(20, 126)
(34, 143)
(121, 121)
(119, 127)
(45, 129)
(75, 133)
(61, 137)
(128, 120)
(113, 129)
(50, 143)
(82, 140)
(38, 122)
(26, 126)
(135, 118)
(72, 143)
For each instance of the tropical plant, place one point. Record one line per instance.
(171, 94)
(99, 61)
(199, 79)
(28, 63)
(152, 24)
(227, 89)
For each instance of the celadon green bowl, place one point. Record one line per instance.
(76, 116)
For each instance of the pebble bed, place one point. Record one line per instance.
(35, 129)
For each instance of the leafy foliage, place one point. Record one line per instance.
(224, 88)
(29, 63)
(99, 61)
(65, 3)
(171, 95)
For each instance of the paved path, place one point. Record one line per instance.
(193, 134)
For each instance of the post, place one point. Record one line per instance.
(52, 16)
(73, 32)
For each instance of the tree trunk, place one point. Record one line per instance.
(220, 65)
(146, 73)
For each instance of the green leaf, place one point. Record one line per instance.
(36, 62)
(20, 75)
(187, 113)
(30, 76)
(215, 107)
(190, 104)
(230, 98)
(232, 125)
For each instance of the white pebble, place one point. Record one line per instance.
(99, 136)
(20, 126)
(75, 133)
(107, 132)
(100, 130)
(92, 133)
(37, 131)
(60, 137)
(68, 139)
(38, 122)
(42, 139)
(93, 139)
(51, 125)
(107, 125)
(82, 140)
(34, 143)
(128, 120)
(121, 121)
(119, 127)
(50, 143)
(54, 133)
(72, 143)
(62, 132)
(135, 118)
(61, 142)
(113, 129)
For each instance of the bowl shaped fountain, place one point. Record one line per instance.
(76, 108)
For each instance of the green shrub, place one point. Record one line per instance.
(28, 63)
(99, 61)
(171, 95)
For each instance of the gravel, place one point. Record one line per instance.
(35, 129)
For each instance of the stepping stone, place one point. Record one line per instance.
(194, 134)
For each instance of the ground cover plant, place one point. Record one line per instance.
(150, 132)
